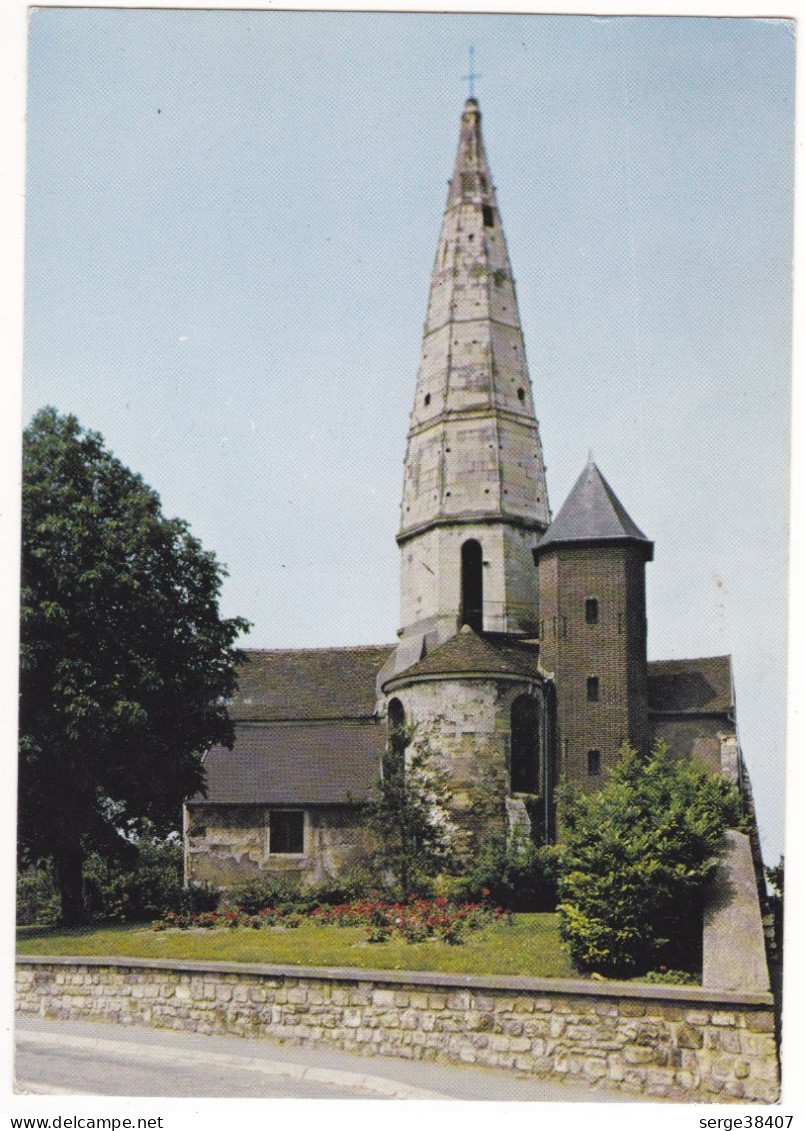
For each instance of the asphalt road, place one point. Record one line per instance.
(75, 1058)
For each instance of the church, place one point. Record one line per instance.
(521, 655)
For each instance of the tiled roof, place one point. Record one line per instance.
(309, 683)
(592, 513)
(468, 653)
(295, 764)
(690, 687)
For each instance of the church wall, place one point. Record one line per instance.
(467, 725)
(228, 844)
(700, 736)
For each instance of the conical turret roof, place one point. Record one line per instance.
(593, 513)
(474, 451)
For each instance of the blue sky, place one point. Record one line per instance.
(231, 220)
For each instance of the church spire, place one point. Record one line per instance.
(474, 454)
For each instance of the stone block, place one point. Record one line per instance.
(631, 1008)
(383, 997)
(634, 1054)
(595, 1067)
(760, 1021)
(352, 1018)
(757, 1045)
(437, 1001)
(741, 1069)
(689, 1038)
(722, 1018)
(460, 1001)
(605, 1007)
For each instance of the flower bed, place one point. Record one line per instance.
(415, 920)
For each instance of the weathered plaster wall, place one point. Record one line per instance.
(679, 1042)
(226, 844)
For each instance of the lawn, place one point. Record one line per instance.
(530, 946)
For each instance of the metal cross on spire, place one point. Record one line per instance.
(472, 76)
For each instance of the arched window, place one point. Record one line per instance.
(525, 745)
(472, 585)
(397, 736)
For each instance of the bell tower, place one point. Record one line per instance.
(475, 501)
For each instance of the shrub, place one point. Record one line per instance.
(635, 860)
(511, 871)
(200, 898)
(140, 888)
(672, 977)
(264, 891)
(37, 898)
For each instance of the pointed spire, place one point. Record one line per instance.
(592, 512)
(473, 446)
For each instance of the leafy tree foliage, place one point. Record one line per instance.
(635, 859)
(409, 817)
(125, 660)
(775, 879)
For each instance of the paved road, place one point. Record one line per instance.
(68, 1057)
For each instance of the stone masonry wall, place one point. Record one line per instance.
(680, 1042)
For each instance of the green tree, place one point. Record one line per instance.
(775, 879)
(635, 859)
(125, 661)
(409, 816)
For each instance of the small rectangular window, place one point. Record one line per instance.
(489, 216)
(564, 626)
(592, 688)
(591, 610)
(286, 832)
(593, 763)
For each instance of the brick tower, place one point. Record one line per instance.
(592, 598)
(474, 501)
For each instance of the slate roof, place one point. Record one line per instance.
(592, 513)
(305, 727)
(691, 687)
(296, 764)
(309, 683)
(468, 653)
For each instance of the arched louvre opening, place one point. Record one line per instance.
(472, 585)
(525, 745)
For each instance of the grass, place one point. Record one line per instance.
(529, 946)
